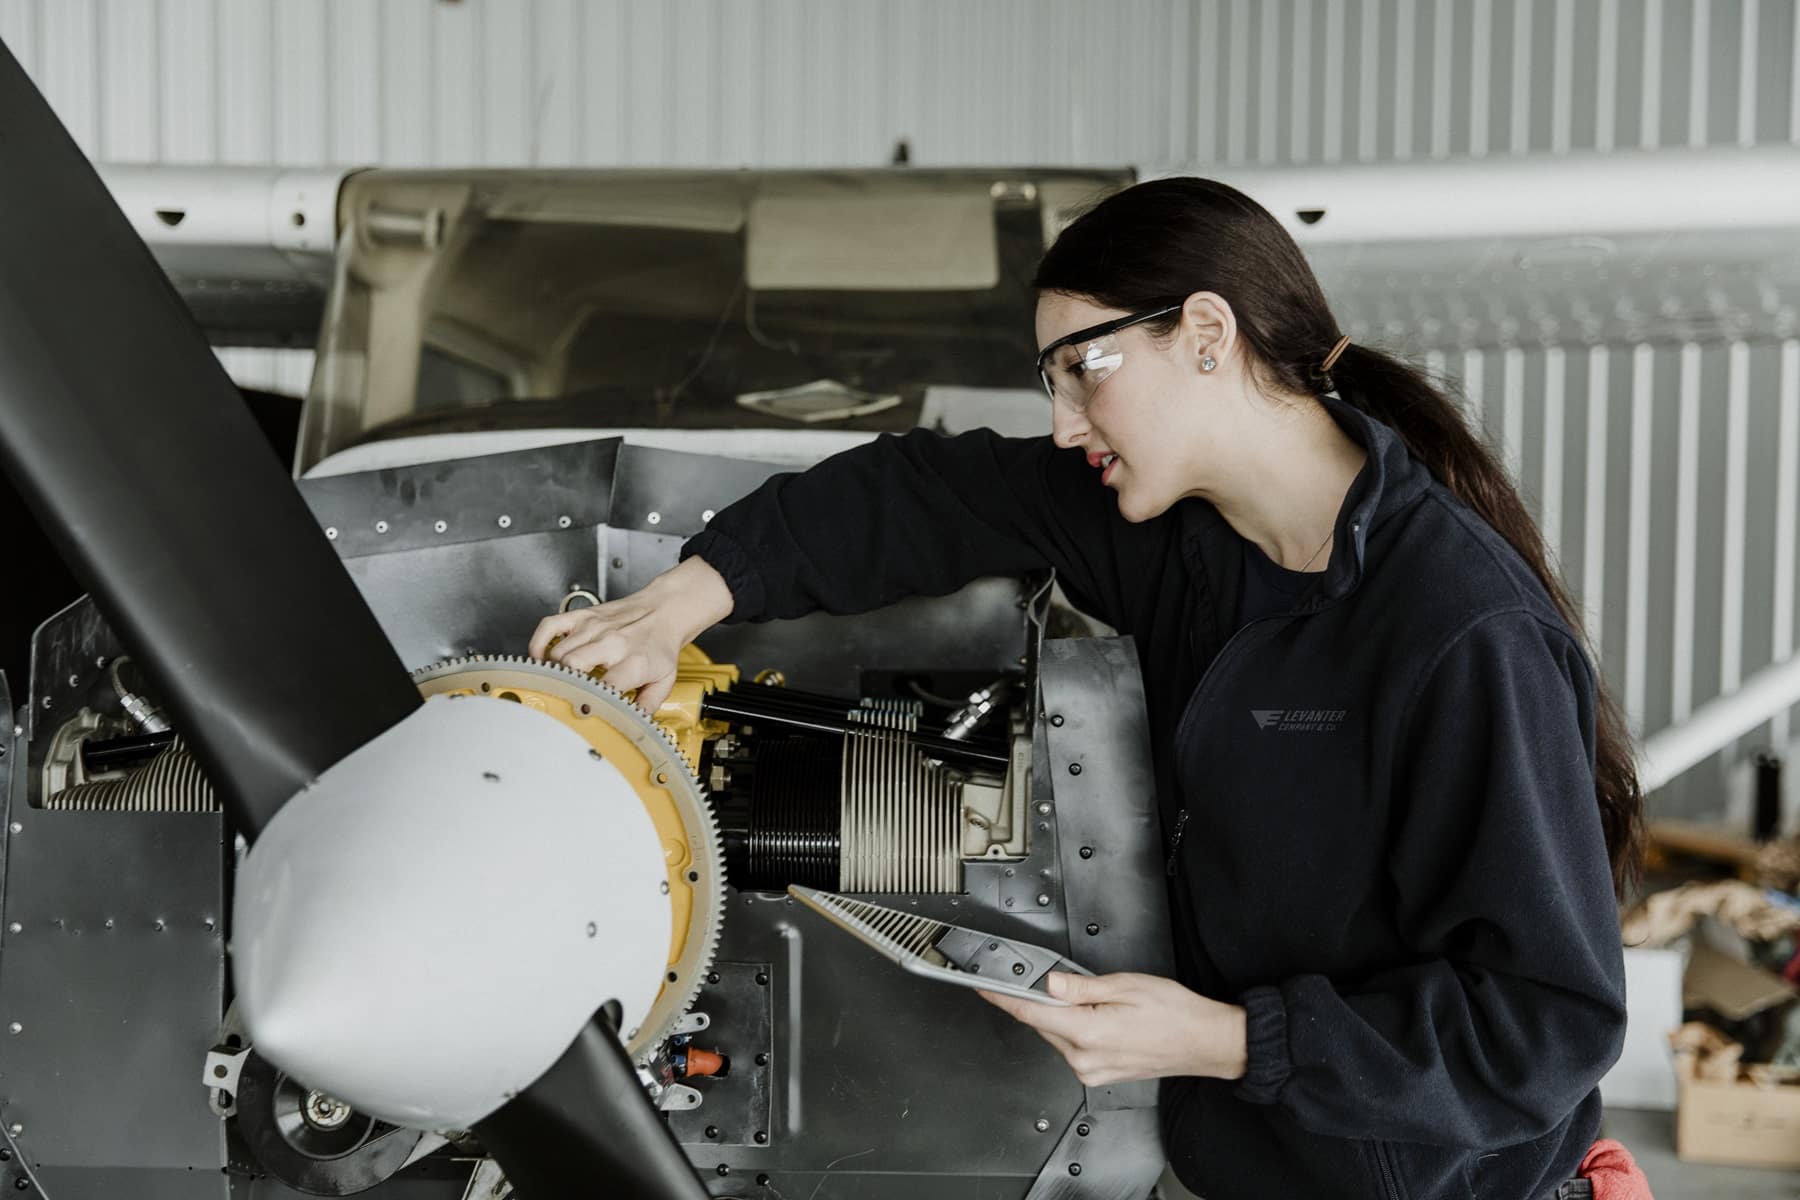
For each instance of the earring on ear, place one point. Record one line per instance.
(1208, 363)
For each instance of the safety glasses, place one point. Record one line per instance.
(1072, 368)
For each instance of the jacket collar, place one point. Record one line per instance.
(1390, 480)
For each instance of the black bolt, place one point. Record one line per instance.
(1057, 720)
(762, 977)
(712, 977)
(1082, 1129)
(1074, 1168)
(1087, 852)
(23, 1183)
(762, 1139)
(617, 563)
(1074, 768)
(5, 1155)
(762, 1181)
(712, 1131)
(723, 1169)
(762, 1060)
(1093, 929)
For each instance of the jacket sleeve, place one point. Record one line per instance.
(1515, 1004)
(914, 514)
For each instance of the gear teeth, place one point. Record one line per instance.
(708, 929)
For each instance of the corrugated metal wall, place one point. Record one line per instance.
(838, 82)
(1665, 474)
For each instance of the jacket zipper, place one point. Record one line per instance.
(1388, 1182)
(1181, 818)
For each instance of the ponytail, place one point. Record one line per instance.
(1434, 431)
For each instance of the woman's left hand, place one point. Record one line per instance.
(1122, 1027)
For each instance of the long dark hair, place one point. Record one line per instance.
(1174, 237)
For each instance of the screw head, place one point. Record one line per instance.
(1043, 899)
(1044, 808)
(706, 516)
(16, 827)
(762, 1139)
(16, 1129)
(654, 518)
(1087, 852)
(1041, 1125)
(1018, 968)
(381, 527)
(1057, 720)
(1074, 768)
(1074, 1168)
(762, 1060)
(74, 681)
(15, 927)
(712, 1131)
(440, 526)
(762, 977)
(1093, 929)
(15, 1027)
(1082, 1129)
(564, 522)
(723, 1169)
(505, 521)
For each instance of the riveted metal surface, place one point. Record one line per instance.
(1093, 684)
(1108, 809)
(877, 1071)
(115, 981)
(678, 488)
(399, 508)
(475, 598)
(735, 1109)
(67, 650)
(1103, 1156)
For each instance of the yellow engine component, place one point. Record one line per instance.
(654, 758)
(695, 676)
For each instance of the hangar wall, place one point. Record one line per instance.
(1665, 473)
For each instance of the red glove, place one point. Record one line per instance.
(1614, 1174)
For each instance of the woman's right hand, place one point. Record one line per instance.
(636, 640)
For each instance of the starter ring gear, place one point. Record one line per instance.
(649, 758)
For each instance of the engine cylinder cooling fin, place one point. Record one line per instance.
(793, 830)
(900, 812)
(172, 782)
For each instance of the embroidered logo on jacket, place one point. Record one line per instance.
(1298, 720)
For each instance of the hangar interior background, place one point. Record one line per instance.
(1664, 471)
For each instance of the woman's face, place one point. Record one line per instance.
(1143, 427)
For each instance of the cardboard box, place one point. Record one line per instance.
(1740, 1123)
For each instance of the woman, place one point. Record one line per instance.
(1397, 800)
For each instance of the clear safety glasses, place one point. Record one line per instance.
(1072, 368)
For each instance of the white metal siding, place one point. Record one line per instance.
(839, 82)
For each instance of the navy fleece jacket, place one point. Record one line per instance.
(1383, 837)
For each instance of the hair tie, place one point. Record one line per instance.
(1335, 352)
